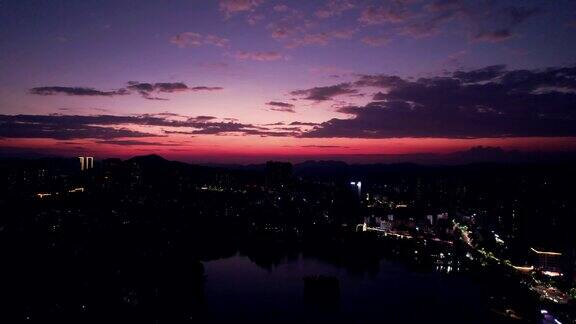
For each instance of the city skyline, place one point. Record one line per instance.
(251, 80)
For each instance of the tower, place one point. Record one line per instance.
(89, 162)
(86, 162)
(81, 158)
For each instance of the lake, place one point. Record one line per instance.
(238, 290)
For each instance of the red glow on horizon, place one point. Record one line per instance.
(249, 149)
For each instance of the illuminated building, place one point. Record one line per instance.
(547, 262)
(86, 162)
(357, 186)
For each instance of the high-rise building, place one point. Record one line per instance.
(357, 186)
(86, 162)
(82, 163)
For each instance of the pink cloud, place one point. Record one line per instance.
(381, 15)
(230, 7)
(254, 19)
(258, 56)
(192, 39)
(492, 36)
(281, 8)
(334, 8)
(375, 41)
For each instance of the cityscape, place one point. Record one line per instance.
(274, 161)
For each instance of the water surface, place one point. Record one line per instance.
(238, 290)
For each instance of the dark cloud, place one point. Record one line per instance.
(298, 123)
(111, 129)
(325, 146)
(231, 128)
(75, 91)
(202, 118)
(292, 129)
(505, 20)
(281, 106)
(204, 88)
(133, 143)
(488, 102)
(146, 90)
(485, 74)
(379, 81)
(65, 127)
(325, 93)
(97, 126)
(493, 36)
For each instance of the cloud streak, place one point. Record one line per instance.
(281, 106)
(76, 91)
(146, 90)
(325, 93)
(193, 39)
(258, 56)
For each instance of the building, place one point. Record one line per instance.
(86, 162)
(546, 261)
(357, 186)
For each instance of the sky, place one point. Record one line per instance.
(251, 80)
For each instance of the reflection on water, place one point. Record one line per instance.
(237, 289)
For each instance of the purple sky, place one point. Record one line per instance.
(249, 80)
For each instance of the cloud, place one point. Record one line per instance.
(324, 146)
(133, 142)
(484, 74)
(258, 56)
(144, 89)
(280, 8)
(65, 127)
(325, 93)
(192, 39)
(202, 118)
(376, 41)
(298, 123)
(488, 102)
(147, 89)
(344, 33)
(75, 91)
(117, 128)
(494, 36)
(281, 106)
(231, 7)
(234, 128)
(254, 19)
(296, 30)
(334, 8)
(506, 19)
(394, 12)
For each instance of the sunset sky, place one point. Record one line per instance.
(251, 80)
